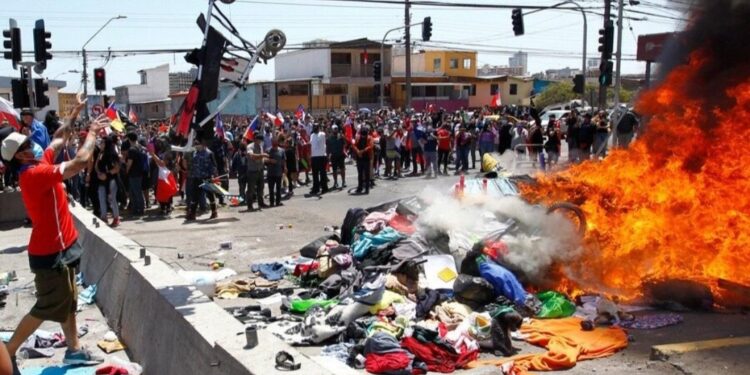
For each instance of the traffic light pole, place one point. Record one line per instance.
(382, 57)
(407, 51)
(618, 56)
(85, 80)
(602, 87)
(26, 67)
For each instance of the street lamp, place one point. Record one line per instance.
(84, 74)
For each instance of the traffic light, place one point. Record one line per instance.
(606, 39)
(376, 71)
(20, 89)
(578, 84)
(41, 46)
(605, 73)
(427, 29)
(100, 80)
(12, 43)
(517, 16)
(40, 87)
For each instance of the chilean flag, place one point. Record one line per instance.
(7, 112)
(277, 120)
(251, 128)
(219, 128)
(300, 114)
(496, 101)
(166, 186)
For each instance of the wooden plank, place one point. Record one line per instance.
(662, 352)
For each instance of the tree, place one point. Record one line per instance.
(562, 92)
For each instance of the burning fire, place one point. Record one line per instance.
(676, 205)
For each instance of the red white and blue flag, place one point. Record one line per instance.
(8, 113)
(219, 127)
(252, 128)
(300, 113)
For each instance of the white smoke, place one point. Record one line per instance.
(537, 240)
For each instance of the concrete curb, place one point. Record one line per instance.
(168, 325)
(11, 207)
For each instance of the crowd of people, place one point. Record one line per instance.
(287, 152)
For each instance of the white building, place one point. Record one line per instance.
(150, 98)
(519, 60)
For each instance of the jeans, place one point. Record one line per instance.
(430, 158)
(443, 158)
(242, 181)
(108, 196)
(462, 158)
(196, 191)
(136, 194)
(600, 142)
(274, 190)
(363, 174)
(254, 188)
(320, 180)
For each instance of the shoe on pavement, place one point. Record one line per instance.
(80, 357)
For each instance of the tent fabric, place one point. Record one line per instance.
(504, 282)
(566, 344)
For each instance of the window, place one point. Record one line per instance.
(513, 89)
(265, 89)
(467, 63)
(453, 64)
(473, 91)
(493, 89)
(155, 108)
(436, 63)
(335, 90)
(298, 89)
(430, 91)
(144, 80)
(341, 58)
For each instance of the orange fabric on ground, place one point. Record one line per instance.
(566, 344)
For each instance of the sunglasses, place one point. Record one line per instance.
(24, 146)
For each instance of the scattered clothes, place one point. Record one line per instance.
(303, 269)
(88, 295)
(59, 370)
(504, 282)
(437, 357)
(451, 313)
(394, 328)
(377, 221)
(362, 246)
(555, 305)
(440, 271)
(381, 343)
(301, 306)
(388, 299)
(112, 370)
(426, 300)
(352, 220)
(653, 321)
(110, 346)
(505, 322)
(401, 284)
(389, 363)
(338, 351)
(473, 291)
(270, 271)
(566, 344)
(402, 224)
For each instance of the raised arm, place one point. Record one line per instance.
(81, 160)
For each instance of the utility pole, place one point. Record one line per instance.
(605, 58)
(85, 80)
(618, 56)
(407, 50)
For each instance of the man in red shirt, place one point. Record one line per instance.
(444, 147)
(53, 249)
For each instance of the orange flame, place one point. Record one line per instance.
(676, 205)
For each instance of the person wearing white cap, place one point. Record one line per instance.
(53, 248)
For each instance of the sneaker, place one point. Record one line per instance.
(115, 223)
(81, 357)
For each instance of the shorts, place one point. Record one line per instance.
(56, 294)
(337, 163)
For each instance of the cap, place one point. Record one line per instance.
(26, 112)
(11, 145)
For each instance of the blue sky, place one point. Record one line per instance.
(553, 38)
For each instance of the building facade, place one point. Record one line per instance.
(53, 95)
(519, 60)
(181, 81)
(149, 99)
(329, 75)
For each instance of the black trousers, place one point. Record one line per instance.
(363, 174)
(417, 159)
(274, 189)
(443, 159)
(196, 193)
(242, 181)
(254, 188)
(320, 180)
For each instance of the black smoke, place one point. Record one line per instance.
(721, 30)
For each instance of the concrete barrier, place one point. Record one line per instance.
(168, 325)
(11, 207)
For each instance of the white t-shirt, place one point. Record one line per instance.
(318, 144)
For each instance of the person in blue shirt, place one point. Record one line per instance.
(34, 129)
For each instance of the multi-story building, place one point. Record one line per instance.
(325, 75)
(149, 99)
(448, 79)
(557, 74)
(181, 81)
(499, 70)
(519, 60)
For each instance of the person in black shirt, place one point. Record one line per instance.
(335, 150)
(586, 137)
(572, 137)
(136, 165)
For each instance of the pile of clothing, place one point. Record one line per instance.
(392, 297)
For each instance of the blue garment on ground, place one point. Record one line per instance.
(503, 281)
(361, 248)
(270, 271)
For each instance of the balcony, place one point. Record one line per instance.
(357, 70)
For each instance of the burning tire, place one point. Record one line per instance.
(566, 209)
